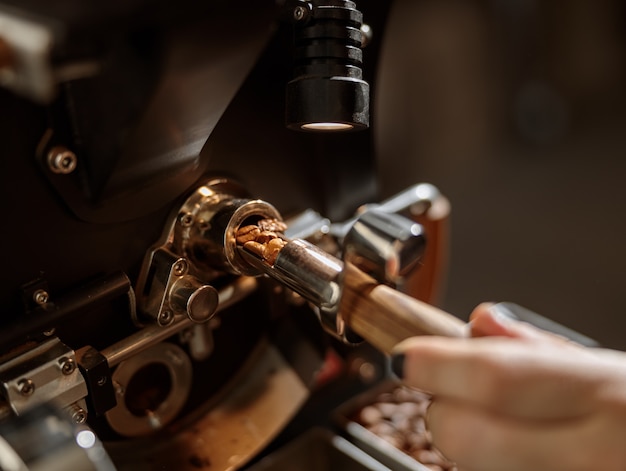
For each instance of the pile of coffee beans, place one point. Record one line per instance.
(398, 417)
(264, 239)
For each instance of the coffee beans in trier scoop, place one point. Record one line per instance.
(263, 239)
(398, 417)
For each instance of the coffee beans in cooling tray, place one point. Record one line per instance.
(398, 417)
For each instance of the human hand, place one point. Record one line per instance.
(515, 398)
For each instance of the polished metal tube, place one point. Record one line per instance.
(311, 272)
(314, 274)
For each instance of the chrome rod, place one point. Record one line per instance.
(154, 334)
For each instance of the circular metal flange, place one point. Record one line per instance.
(207, 223)
(247, 213)
(151, 388)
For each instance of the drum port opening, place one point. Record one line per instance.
(148, 389)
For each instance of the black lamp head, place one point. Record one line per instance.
(328, 92)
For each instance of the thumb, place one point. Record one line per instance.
(492, 320)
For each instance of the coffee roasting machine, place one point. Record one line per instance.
(191, 225)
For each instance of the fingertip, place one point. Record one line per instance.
(411, 343)
(407, 353)
(489, 320)
(481, 310)
(496, 319)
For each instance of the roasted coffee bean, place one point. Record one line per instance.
(419, 424)
(255, 248)
(398, 417)
(395, 439)
(263, 239)
(388, 432)
(273, 225)
(370, 415)
(402, 422)
(430, 457)
(265, 236)
(247, 234)
(409, 409)
(272, 249)
(417, 441)
(387, 409)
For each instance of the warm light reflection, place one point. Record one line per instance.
(327, 126)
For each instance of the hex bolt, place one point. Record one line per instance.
(180, 267)
(41, 297)
(26, 387)
(68, 365)
(61, 160)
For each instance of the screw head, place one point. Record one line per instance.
(166, 317)
(300, 12)
(180, 267)
(41, 297)
(185, 219)
(61, 160)
(79, 415)
(26, 387)
(68, 365)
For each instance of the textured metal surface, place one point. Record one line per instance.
(44, 374)
(232, 432)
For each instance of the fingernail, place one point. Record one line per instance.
(503, 314)
(397, 364)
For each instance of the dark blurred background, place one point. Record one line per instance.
(516, 110)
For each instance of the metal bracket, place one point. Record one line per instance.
(170, 291)
(95, 369)
(45, 373)
(381, 241)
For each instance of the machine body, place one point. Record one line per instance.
(137, 140)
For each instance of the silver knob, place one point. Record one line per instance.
(198, 301)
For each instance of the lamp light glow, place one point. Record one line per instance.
(327, 126)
